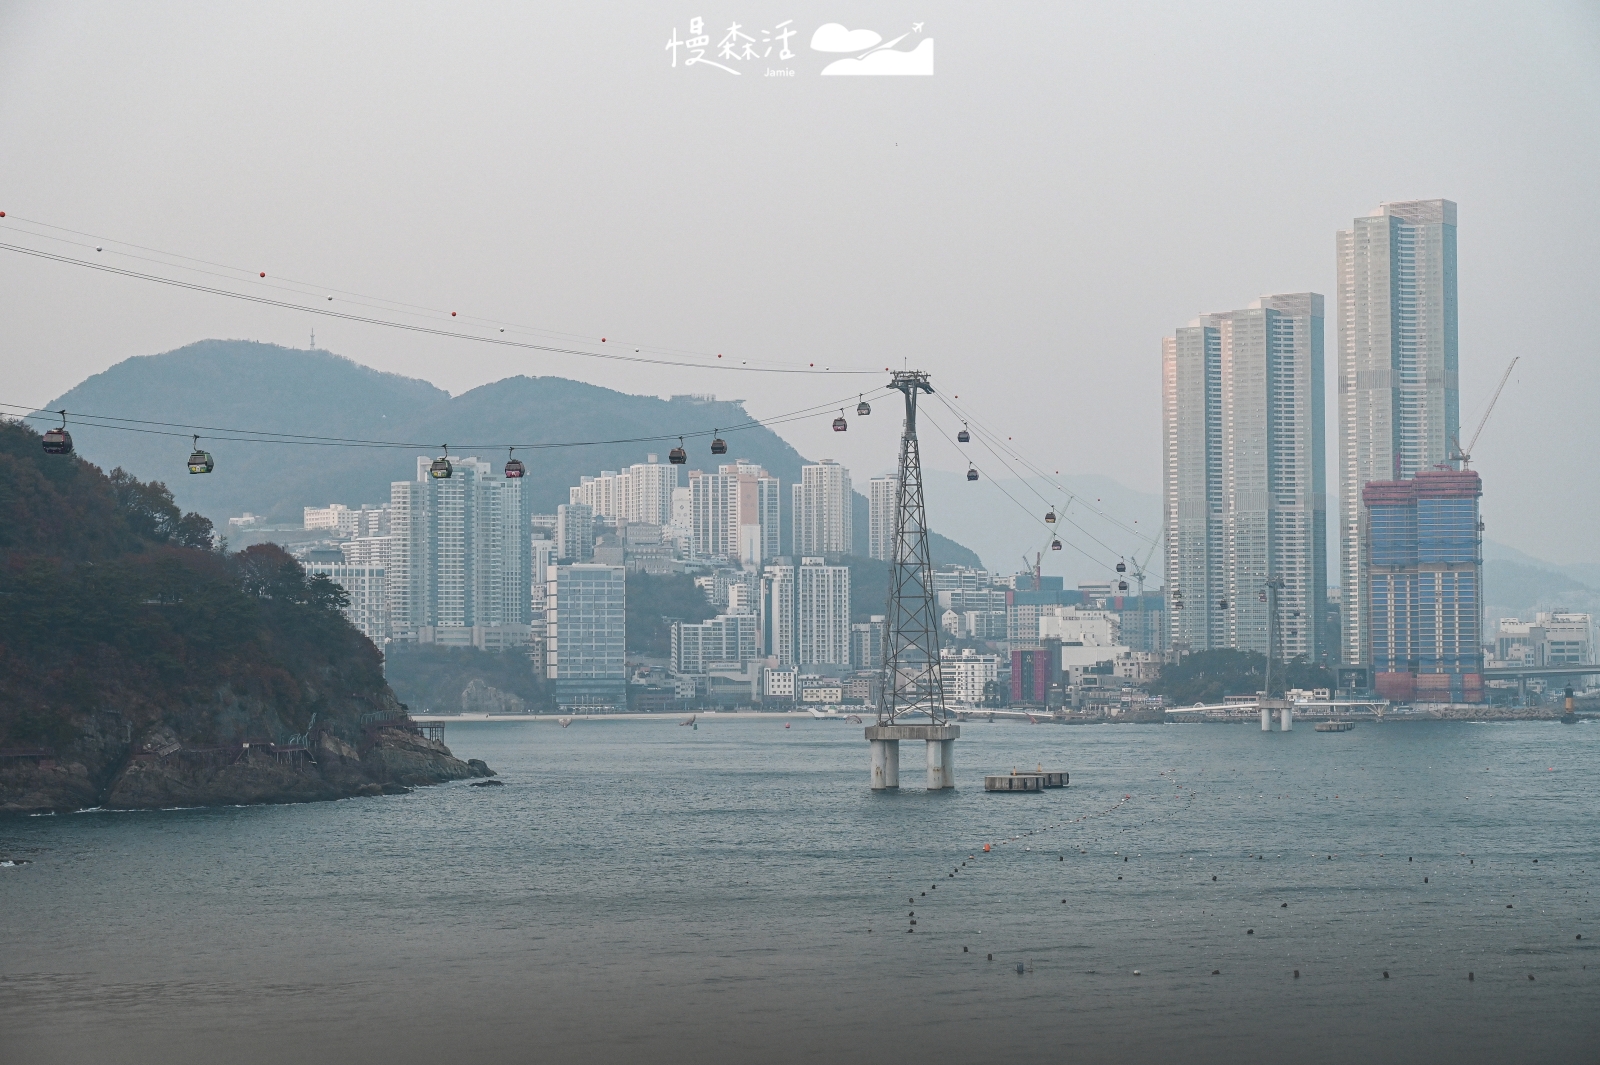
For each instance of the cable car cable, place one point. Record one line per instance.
(1032, 515)
(413, 327)
(1023, 460)
(106, 421)
(309, 289)
(1064, 515)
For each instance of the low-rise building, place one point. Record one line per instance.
(967, 675)
(1552, 638)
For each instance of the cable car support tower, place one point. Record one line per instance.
(912, 685)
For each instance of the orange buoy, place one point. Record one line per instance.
(986, 848)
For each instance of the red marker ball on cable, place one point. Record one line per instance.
(263, 273)
(452, 314)
(602, 340)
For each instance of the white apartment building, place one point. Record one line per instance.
(1245, 486)
(822, 613)
(641, 493)
(366, 520)
(754, 513)
(1399, 391)
(1080, 627)
(574, 532)
(966, 674)
(1552, 638)
(367, 587)
(882, 505)
(776, 615)
(367, 551)
(711, 498)
(542, 552)
(962, 579)
(866, 643)
(680, 530)
(823, 510)
(725, 640)
(459, 556)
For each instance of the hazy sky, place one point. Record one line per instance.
(1072, 183)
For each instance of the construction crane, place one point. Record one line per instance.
(1464, 455)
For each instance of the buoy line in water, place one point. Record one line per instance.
(1164, 811)
(987, 848)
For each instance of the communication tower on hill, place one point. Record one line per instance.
(912, 685)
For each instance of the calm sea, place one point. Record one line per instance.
(642, 892)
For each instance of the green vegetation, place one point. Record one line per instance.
(1208, 676)
(654, 603)
(433, 678)
(118, 616)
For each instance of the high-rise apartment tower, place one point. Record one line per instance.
(1245, 481)
(1399, 397)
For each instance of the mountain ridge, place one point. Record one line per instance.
(265, 387)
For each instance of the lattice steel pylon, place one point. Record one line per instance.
(912, 683)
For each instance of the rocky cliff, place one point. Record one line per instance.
(142, 667)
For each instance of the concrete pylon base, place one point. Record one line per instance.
(1285, 719)
(1266, 720)
(885, 765)
(941, 747)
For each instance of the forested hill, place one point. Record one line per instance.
(123, 630)
(247, 385)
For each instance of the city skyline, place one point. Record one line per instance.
(1092, 288)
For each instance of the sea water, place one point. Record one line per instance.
(643, 892)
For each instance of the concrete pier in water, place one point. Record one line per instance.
(941, 748)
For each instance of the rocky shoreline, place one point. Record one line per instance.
(163, 773)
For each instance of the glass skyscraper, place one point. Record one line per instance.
(586, 636)
(1423, 550)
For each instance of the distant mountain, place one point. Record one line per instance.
(236, 384)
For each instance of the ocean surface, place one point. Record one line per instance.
(643, 892)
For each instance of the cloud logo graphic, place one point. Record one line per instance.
(835, 38)
(887, 61)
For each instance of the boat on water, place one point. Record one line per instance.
(830, 713)
(1335, 726)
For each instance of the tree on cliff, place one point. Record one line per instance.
(118, 616)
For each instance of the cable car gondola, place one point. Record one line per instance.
(200, 461)
(1222, 604)
(863, 409)
(58, 441)
(1122, 567)
(719, 446)
(1055, 545)
(963, 435)
(972, 472)
(839, 424)
(1122, 586)
(514, 467)
(677, 456)
(1049, 517)
(441, 468)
